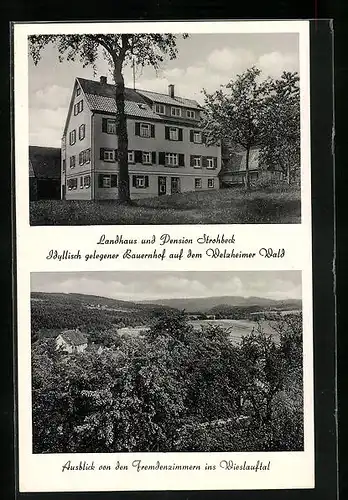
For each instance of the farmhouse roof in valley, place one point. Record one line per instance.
(44, 162)
(74, 337)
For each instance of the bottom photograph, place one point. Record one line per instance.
(166, 362)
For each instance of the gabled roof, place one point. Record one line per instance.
(101, 97)
(166, 99)
(74, 337)
(108, 105)
(44, 163)
(237, 161)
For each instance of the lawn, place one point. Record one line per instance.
(225, 206)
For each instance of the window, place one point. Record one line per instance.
(130, 156)
(197, 137)
(175, 111)
(211, 183)
(198, 183)
(107, 180)
(108, 155)
(78, 107)
(81, 182)
(72, 161)
(82, 131)
(87, 181)
(81, 158)
(109, 125)
(172, 159)
(210, 162)
(72, 184)
(145, 130)
(160, 109)
(72, 137)
(78, 91)
(173, 134)
(197, 162)
(147, 157)
(140, 181)
(87, 155)
(190, 113)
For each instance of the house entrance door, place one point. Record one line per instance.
(175, 185)
(162, 185)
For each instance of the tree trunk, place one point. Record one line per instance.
(121, 129)
(288, 180)
(247, 178)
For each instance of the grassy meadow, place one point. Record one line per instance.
(224, 206)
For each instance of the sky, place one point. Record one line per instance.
(203, 61)
(145, 285)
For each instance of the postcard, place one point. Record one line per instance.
(164, 256)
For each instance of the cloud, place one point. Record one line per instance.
(274, 63)
(51, 97)
(227, 60)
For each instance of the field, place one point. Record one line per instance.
(226, 206)
(238, 328)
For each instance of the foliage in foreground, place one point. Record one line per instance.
(173, 389)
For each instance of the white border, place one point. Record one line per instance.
(43, 472)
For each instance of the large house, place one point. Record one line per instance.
(166, 146)
(44, 173)
(71, 341)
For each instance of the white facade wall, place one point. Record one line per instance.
(68, 150)
(159, 143)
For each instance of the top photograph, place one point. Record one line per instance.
(163, 128)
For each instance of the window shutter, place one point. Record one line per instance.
(152, 130)
(161, 158)
(180, 134)
(191, 160)
(137, 128)
(204, 138)
(204, 161)
(102, 153)
(191, 135)
(113, 180)
(116, 155)
(153, 154)
(181, 160)
(138, 156)
(166, 132)
(215, 162)
(104, 124)
(134, 183)
(146, 181)
(100, 180)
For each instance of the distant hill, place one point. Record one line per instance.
(85, 300)
(207, 304)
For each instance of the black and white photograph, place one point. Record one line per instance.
(165, 128)
(167, 362)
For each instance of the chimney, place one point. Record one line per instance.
(171, 90)
(103, 80)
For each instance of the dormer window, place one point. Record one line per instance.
(190, 114)
(142, 106)
(175, 111)
(160, 109)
